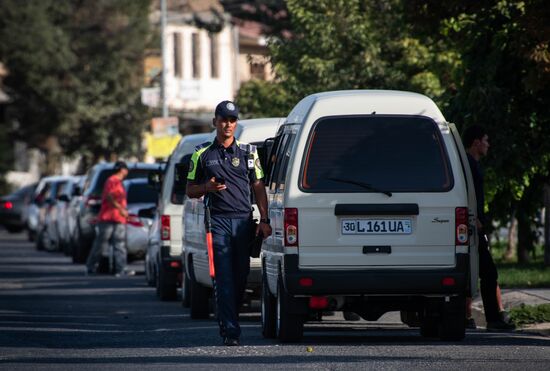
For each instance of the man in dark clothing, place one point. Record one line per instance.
(476, 142)
(224, 171)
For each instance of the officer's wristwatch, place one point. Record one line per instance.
(265, 220)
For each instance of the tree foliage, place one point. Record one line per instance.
(75, 72)
(503, 84)
(352, 44)
(484, 62)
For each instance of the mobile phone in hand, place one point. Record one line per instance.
(220, 180)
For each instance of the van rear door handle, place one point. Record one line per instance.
(376, 249)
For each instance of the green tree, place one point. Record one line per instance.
(502, 82)
(76, 70)
(352, 44)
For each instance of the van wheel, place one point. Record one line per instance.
(269, 311)
(289, 326)
(185, 291)
(429, 327)
(411, 319)
(453, 324)
(199, 305)
(167, 289)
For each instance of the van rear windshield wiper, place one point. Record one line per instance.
(362, 184)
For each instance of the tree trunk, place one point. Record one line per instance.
(511, 247)
(547, 225)
(525, 236)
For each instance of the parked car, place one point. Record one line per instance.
(195, 257)
(14, 208)
(44, 202)
(72, 214)
(140, 196)
(153, 249)
(373, 209)
(163, 259)
(61, 213)
(90, 204)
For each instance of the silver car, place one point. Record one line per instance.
(140, 196)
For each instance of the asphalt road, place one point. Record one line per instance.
(54, 317)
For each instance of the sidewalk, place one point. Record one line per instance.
(512, 298)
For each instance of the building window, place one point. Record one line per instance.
(196, 52)
(177, 55)
(257, 70)
(214, 56)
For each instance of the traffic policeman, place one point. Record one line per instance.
(224, 172)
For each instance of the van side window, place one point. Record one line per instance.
(284, 159)
(280, 144)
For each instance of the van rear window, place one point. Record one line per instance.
(376, 153)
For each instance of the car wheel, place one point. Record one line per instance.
(289, 326)
(167, 288)
(268, 311)
(80, 254)
(200, 295)
(149, 276)
(40, 241)
(11, 229)
(185, 290)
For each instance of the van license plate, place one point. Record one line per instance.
(376, 226)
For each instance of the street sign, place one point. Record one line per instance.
(164, 126)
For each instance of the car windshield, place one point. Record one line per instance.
(106, 173)
(141, 193)
(376, 153)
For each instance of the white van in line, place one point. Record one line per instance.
(195, 256)
(163, 258)
(373, 209)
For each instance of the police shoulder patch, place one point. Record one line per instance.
(203, 145)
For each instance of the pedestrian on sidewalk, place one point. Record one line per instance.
(224, 171)
(476, 141)
(111, 223)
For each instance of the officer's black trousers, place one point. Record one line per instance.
(489, 277)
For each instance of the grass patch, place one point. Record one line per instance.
(527, 314)
(514, 275)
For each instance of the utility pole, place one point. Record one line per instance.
(164, 62)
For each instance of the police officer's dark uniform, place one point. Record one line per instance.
(231, 216)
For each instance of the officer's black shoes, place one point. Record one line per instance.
(500, 326)
(230, 342)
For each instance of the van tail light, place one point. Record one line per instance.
(165, 227)
(291, 227)
(8, 205)
(461, 226)
(93, 201)
(134, 220)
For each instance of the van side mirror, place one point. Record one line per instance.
(180, 175)
(63, 198)
(77, 191)
(154, 179)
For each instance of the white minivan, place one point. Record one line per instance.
(195, 256)
(373, 209)
(163, 257)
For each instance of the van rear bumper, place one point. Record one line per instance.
(406, 281)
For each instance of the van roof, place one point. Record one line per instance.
(256, 130)
(356, 102)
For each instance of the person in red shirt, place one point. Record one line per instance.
(111, 226)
